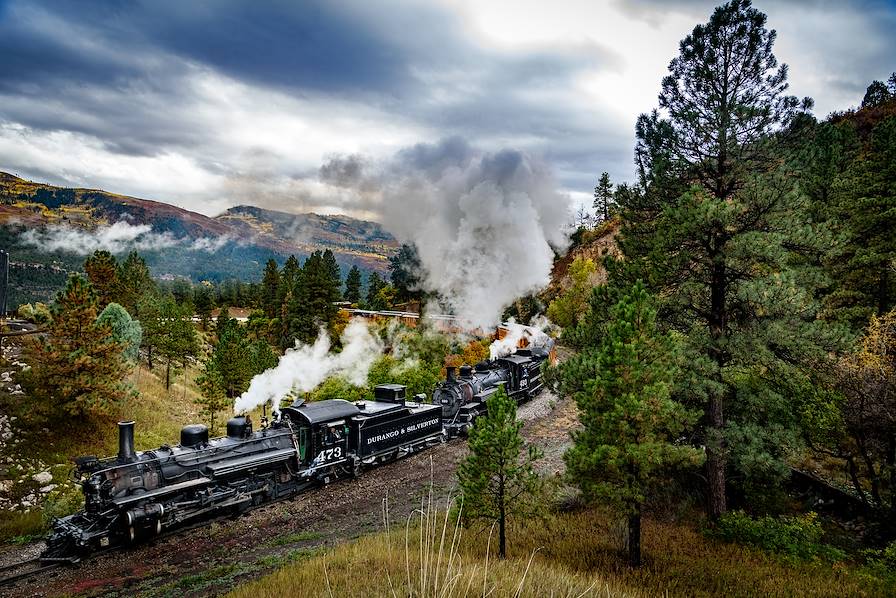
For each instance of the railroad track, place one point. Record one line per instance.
(23, 570)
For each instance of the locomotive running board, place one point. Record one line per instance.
(128, 500)
(234, 465)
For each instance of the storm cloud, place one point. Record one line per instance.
(208, 104)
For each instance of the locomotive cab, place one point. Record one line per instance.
(321, 430)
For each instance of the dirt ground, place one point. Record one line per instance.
(213, 559)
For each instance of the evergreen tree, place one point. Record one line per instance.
(261, 357)
(623, 387)
(332, 267)
(213, 398)
(375, 283)
(270, 290)
(168, 333)
(713, 224)
(603, 197)
(79, 366)
(134, 281)
(406, 273)
(125, 330)
(231, 357)
(102, 272)
(353, 286)
(867, 214)
(498, 476)
(876, 94)
(204, 303)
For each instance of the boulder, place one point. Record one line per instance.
(42, 478)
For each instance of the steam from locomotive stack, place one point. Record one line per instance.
(485, 224)
(303, 368)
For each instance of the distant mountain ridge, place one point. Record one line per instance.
(236, 243)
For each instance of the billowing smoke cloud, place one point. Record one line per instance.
(534, 335)
(303, 368)
(485, 224)
(115, 238)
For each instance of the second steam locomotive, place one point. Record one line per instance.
(137, 495)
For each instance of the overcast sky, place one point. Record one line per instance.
(212, 104)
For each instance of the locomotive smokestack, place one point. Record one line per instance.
(449, 371)
(126, 452)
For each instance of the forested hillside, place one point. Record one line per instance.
(42, 225)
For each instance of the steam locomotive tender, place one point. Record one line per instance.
(138, 495)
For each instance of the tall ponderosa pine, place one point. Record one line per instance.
(102, 272)
(713, 228)
(498, 477)
(168, 333)
(623, 389)
(79, 366)
(353, 286)
(375, 284)
(134, 281)
(204, 303)
(603, 197)
(270, 290)
(313, 302)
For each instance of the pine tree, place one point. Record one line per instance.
(353, 286)
(270, 290)
(623, 388)
(332, 267)
(406, 272)
(712, 227)
(79, 366)
(168, 333)
(498, 478)
(603, 197)
(134, 281)
(214, 397)
(102, 272)
(375, 283)
(204, 303)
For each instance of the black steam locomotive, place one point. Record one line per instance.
(135, 496)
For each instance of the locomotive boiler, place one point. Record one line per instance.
(463, 397)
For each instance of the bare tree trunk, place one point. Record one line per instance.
(502, 521)
(715, 445)
(634, 537)
(168, 375)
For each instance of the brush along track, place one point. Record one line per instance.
(229, 552)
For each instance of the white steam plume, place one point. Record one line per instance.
(485, 224)
(116, 238)
(306, 366)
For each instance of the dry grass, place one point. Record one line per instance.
(569, 554)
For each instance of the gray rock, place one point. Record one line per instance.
(43, 478)
(47, 488)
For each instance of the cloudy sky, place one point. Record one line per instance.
(208, 104)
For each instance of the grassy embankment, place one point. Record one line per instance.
(567, 554)
(159, 414)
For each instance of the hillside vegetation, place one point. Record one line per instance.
(232, 245)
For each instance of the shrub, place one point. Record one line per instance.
(799, 536)
(882, 561)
